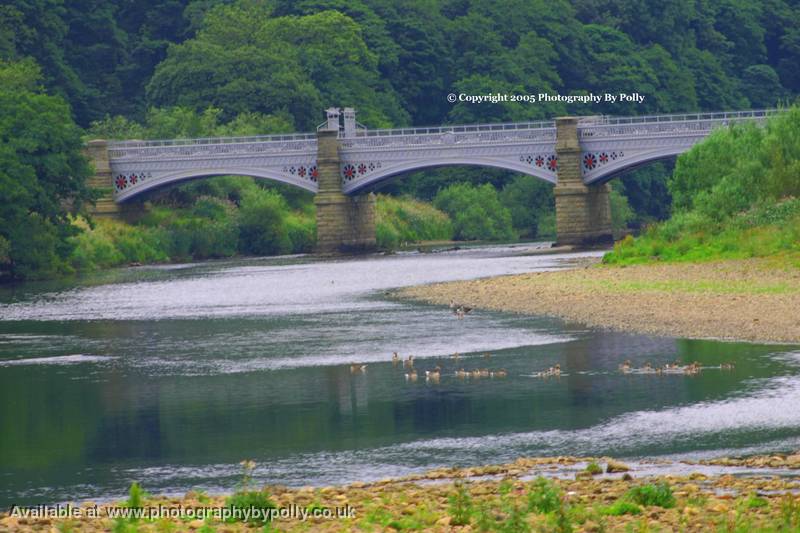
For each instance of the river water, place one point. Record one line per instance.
(171, 375)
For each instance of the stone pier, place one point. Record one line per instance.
(101, 180)
(344, 223)
(97, 152)
(583, 213)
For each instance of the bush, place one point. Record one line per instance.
(111, 243)
(460, 506)
(530, 201)
(658, 494)
(543, 496)
(594, 469)
(262, 224)
(405, 220)
(621, 507)
(476, 212)
(256, 503)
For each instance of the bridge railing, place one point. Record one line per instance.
(211, 146)
(606, 126)
(456, 134)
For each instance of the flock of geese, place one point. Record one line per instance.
(435, 375)
(669, 368)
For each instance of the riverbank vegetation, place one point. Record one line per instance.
(190, 68)
(736, 195)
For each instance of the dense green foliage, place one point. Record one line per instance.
(405, 220)
(476, 212)
(736, 195)
(42, 175)
(396, 62)
(215, 218)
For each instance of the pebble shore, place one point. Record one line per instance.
(720, 502)
(750, 300)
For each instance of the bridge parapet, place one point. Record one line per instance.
(677, 124)
(611, 145)
(211, 146)
(138, 166)
(373, 155)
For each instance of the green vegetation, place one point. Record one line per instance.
(476, 212)
(187, 68)
(246, 499)
(543, 496)
(621, 507)
(735, 196)
(135, 496)
(216, 218)
(42, 175)
(594, 469)
(405, 220)
(658, 494)
(460, 506)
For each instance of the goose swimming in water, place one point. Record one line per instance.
(358, 369)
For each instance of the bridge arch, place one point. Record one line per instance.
(396, 171)
(615, 168)
(164, 180)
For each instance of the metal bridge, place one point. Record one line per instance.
(608, 147)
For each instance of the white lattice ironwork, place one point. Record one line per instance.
(371, 156)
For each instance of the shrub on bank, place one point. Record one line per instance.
(735, 196)
(691, 236)
(406, 220)
(110, 243)
(476, 212)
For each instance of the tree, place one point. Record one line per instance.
(245, 60)
(42, 175)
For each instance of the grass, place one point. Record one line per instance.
(658, 494)
(405, 220)
(763, 231)
(697, 286)
(594, 469)
(460, 506)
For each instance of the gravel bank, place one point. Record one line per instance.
(752, 300)
(609, 496)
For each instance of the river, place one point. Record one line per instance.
(172, 375)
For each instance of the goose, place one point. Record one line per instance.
(358, 369)
(435, 372)
(395, 358)
(433, 375)
(499, 373)
(409, 362)
(412, 375)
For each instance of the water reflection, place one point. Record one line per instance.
(90, 401)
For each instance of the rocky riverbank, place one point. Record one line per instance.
(753, 299)
(530, 494)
